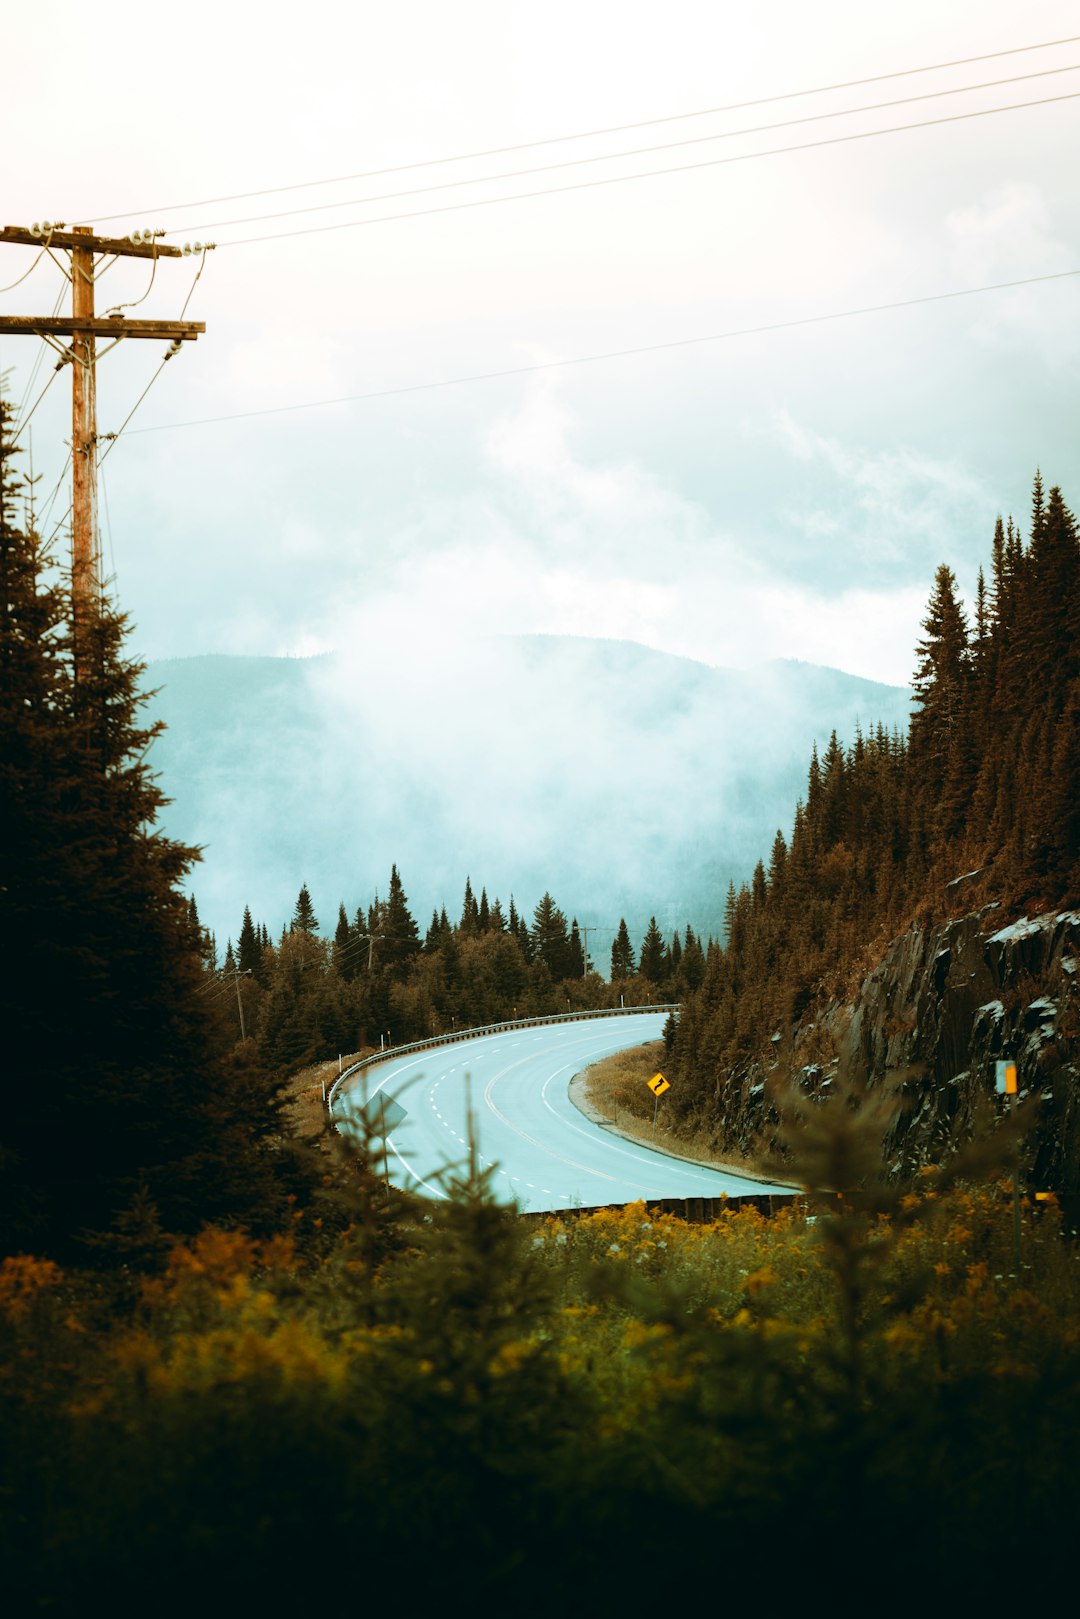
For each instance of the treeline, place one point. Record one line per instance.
(375, 979)
(985, 786)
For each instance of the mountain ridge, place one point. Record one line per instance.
(624, 779)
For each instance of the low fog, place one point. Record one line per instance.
(626, 781)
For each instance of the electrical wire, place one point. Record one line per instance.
(652, 174)
(59, 525)
(27, 418)
(23, 277)
(637, 151)
(115, 309)
(39, 355)
(194, 284)
(52, 497)
(590, 134)
(614, 354)
(108, 523)
(113, 438)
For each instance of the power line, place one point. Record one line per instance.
(650, 174)
(613, 354)
(589, 134)
(52, 500)
(27, 418)
(26, 273)
(112, 438)
(42, 349)
(637, 151)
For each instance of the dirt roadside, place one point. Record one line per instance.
(305, 1091)
(613, 1094)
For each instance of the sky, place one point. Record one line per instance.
(782, 494)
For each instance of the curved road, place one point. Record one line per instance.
(545, 1154)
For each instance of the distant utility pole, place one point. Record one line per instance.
(84, 329)
(593, 927)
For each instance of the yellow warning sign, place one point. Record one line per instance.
(658, 1084)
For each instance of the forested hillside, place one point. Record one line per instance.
(978, 806)
(374, 979)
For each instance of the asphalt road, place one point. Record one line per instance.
(544, 1153)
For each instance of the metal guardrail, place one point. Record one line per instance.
(489, 1028)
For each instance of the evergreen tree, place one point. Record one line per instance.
(400, 937)
(550, 942)
(249, 953)
(942, 722)
(518, 929)
(304, 918)
(652, 961)
(622, 954)
(470, 913)
(692, 966)
(346, 951)
(100, 975)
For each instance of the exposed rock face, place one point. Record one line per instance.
(945, 1002)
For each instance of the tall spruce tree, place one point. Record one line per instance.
(400, 935)
(652, 960)
(550, 939)
(114, 1101)
(622, 954)
(304, 919)
(249, 953)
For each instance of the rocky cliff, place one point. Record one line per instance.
(944, 1003)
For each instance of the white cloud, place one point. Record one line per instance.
(1008, 234)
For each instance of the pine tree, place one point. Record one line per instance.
(622, 954)
(550, 942)
(652, 960)
(470, 913)
(304, 918)
(400, 938)
(692, 967)
(942, 721)
(249, 955)
(346, 952)
(518, 929)
(100, 975)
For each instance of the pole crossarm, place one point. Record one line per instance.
(182, 331)
(122, 246)
(84, 326)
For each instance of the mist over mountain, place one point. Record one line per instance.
(624, 780)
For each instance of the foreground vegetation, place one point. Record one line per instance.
(432, 1399)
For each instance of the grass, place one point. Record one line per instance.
(615, 1092)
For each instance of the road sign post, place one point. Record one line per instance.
(658, 1085)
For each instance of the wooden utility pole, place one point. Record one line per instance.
(85, 539)
(84, 328)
